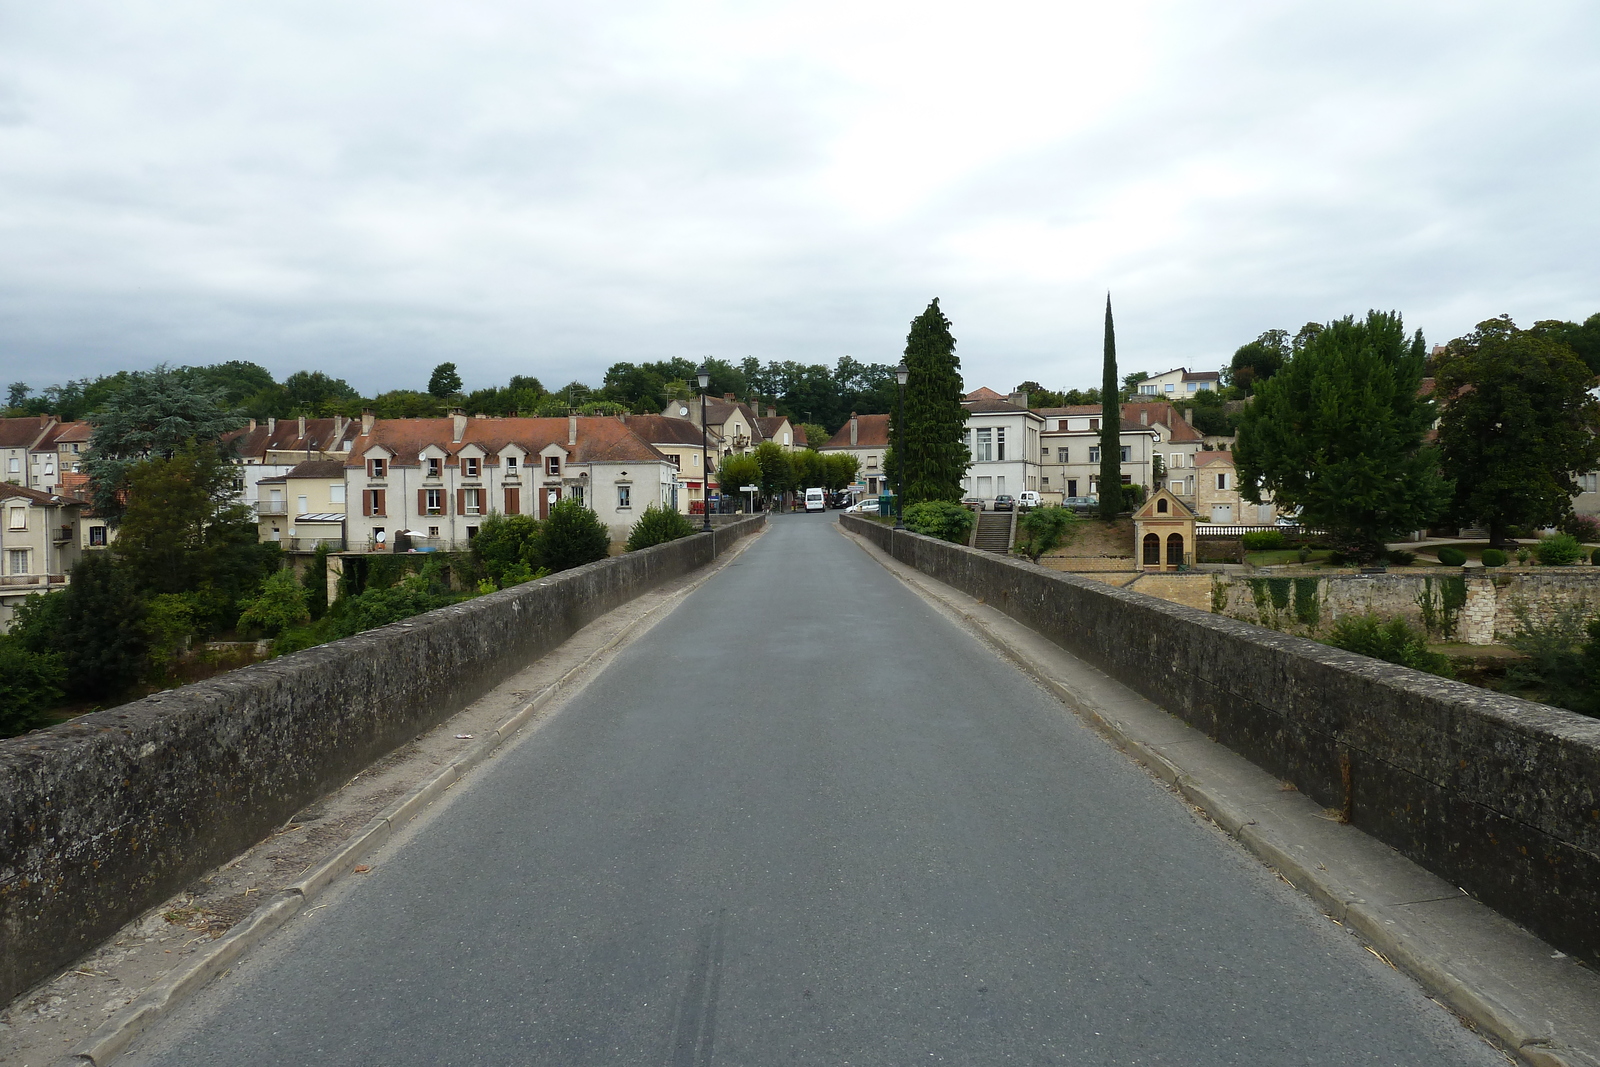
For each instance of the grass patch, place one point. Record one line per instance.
(1278, 556)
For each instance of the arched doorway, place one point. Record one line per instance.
(1152, 550)
(1175, 550)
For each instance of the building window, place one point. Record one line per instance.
(1175, 460)
(373, 502)
(1176, 487)
(1148, 390)
(377, 468)
(677, 461)
(1222, 482)
(552, 466)
(15, 465)
(1000, 443)
(474, 502)
(472, 466)
(1171, 388)
(97, 536)
(623, 494)
(49, 464)
(19, 519)
(336, 493)
(433, 531)
(472, 531)
(1062, 455)
(1193, 386)
(18, 560)
(1094, 453)
(1589, 483)
(433, 501)
(1127, 453)
(511, 466)
(1094, 424)
(435, 466)
(985, 453)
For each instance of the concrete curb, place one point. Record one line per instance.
(1510, 1013)
(120, 1031)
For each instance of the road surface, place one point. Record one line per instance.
(808, 820)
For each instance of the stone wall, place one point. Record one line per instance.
(1497, 795)
(104, 817)
(1478, 607)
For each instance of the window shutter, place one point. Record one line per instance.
(513, 502)
(377, 502)
(422, 501)
(461, 501)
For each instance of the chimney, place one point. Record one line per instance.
(44, 420)
(367, 418)
(272, 426)
(728, 397)
(853, 429)
(1019, 398)
(302, 426)
(252, 424)
(772, 413)
(1188, 416)
(572, 430)
(1144, 416)
(458, 425)
(339, 424)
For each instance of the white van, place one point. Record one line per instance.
(815, 501)
(1027, 500)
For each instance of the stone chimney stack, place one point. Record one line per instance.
(302, 425)
(367, 418)
(728, 397)
(252, 424)
(572, 430)
(1019, 398)
(458, 426)
(1144, 417)
(1188, 416)
(272, 425)
(854, 429)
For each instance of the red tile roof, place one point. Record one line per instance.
(984, 393)
(666, 430)
(872, 431)
(601, 438)
(322, 435)
(23, 432)
(11, 492)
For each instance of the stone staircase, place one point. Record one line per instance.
(994, 532)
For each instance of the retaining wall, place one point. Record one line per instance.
(1497, 795)
(108, 815)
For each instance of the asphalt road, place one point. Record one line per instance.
(807, 820)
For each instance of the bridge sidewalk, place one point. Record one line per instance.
(1499, 978)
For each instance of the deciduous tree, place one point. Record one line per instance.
(1519, 425)
(1339, 433)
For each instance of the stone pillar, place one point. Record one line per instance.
(1476, 626)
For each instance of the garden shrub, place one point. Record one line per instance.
(1392, 640)
(943, 519)
(1493, 557)
(658, 525)
(1451, 557)
(1583, 527)
(1558, 550)
(1044, 529)
(506, 548)
(572, 536)
(282, 603)
(1399, 557)
(30, 683)
(1264, 540)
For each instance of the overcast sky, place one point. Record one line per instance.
(526, 187)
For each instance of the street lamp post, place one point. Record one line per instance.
(900, 375)
(704, 376)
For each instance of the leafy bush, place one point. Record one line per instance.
(30, 683)
(1264, 540)
(943, 519)
(572, 536)
(100, 635)
(1558, 550)
(1563, 654)
(1044, 529)
(1399, 557)
(1451, 556)
(658, 525)
(1133, 496)
(1583, 527)
(1493, 557)
(280, 605)
(1393, 641)
(507, 549)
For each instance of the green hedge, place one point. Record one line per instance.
(1264, 540)
(1452, 557)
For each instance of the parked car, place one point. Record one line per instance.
(866, 507)
(975, 502)
(1004, 502)
(1027, 500)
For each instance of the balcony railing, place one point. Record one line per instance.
(8, 581)
(272, 507)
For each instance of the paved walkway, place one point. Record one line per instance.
(808, 820)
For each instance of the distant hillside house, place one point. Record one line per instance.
(1180, 382)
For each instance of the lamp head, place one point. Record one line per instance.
(901, 374)
(704, 376)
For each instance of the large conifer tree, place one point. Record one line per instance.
(934, 454)
(1110, 428)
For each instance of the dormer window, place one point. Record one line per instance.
(552, 466)
(377, 468)
(435, 467)
(511, 466)
(472, 466)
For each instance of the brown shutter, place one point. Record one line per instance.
(377, 502)
(513, 502)
(422, 501)
(461, 501)
(366, 501)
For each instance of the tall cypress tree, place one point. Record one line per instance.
(1110, 428)
(934, 454)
